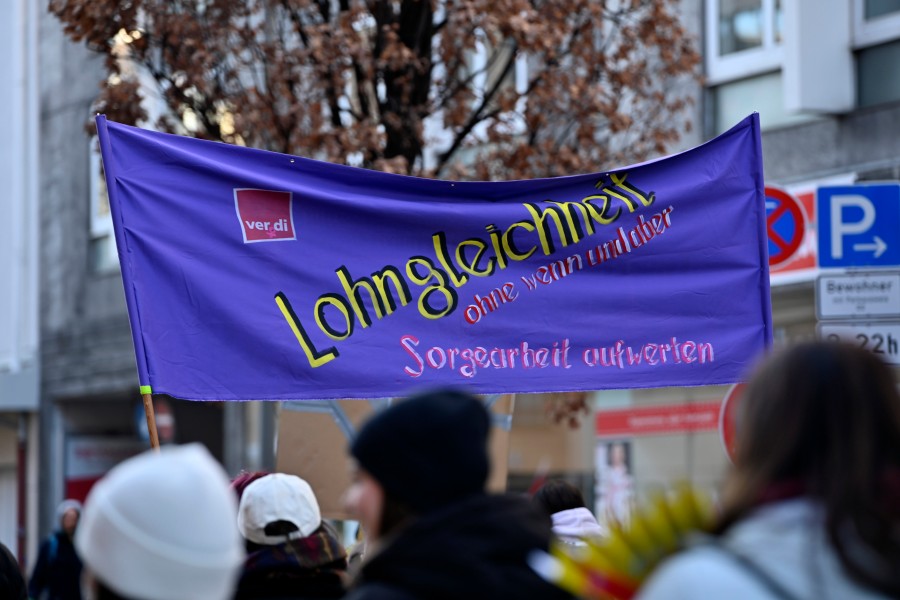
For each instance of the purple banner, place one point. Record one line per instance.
(255, 275)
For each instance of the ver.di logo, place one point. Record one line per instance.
(265, 215)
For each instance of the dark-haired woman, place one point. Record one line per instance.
(812, 506)
(564, 503)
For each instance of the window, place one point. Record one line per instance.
(103, 257)
(876, 39)
(880, 8)
(875, 22)
(743, 38)
(744, 63)
(763, 94)
(878, 74)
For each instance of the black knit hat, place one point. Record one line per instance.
(428, 451)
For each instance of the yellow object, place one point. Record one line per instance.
(612, 568)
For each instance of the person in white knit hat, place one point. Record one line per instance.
(161, 526)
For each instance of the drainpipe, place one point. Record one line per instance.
(21, 488)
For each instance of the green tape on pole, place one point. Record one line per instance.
(146, 389)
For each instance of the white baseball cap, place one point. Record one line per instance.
(277, 497)
(160, 526)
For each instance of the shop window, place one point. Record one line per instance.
(103, 257)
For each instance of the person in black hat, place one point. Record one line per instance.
(432, 530)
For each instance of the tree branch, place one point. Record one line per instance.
(475, 117)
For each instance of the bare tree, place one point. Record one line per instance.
(487, 89)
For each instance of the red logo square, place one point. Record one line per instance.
(265, 215)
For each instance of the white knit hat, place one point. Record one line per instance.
(278, 497)
(65, 506)
(160, 526)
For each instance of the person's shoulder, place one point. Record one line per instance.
(11, 578)
(703, 571)
(52, 538)
(48, 542)
(379, 591)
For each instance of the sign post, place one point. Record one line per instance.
(785, 225)
(728, 419)
(859, 227)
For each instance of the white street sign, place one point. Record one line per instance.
(881, 338)
(858, 295)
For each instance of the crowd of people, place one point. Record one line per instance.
(811, 509)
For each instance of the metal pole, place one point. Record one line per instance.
(22, 485)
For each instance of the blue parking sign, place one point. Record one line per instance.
(859, 225)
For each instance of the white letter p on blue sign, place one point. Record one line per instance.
(859, 225)
(840, 228)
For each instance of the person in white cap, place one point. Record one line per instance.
(292, 553)
(161, 526)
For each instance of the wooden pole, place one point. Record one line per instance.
(151, 421)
